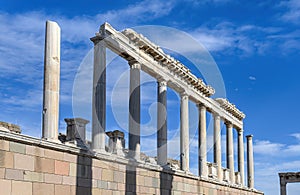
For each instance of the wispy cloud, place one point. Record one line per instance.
(252, 78)
(292, 12)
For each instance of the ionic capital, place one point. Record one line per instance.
(184, 95)
(201, 106)
(162, 83)
(228, 124)
(249, 137)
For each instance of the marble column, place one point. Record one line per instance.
(184, 132)
(217, 146)
(241, 155)
(99, 96)
(51, 82)
(162, 135)
(203, 169)
(250, 165)
(134, 111)
(229, 151)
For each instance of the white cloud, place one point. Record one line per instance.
(252, 78)
(292, 13)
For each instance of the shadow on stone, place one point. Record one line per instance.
(166, 180)
(130, 188)
(84, 175)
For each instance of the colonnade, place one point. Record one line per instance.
(134, 124)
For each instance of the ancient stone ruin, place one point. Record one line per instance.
(69, 164)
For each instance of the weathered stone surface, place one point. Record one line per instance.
(4, 145)
(44, 165)
(17, 147)
(20, 187)
(6, 159)
(43, 188)
(62, 168)
(33, 176)
(14, 174)
(52, 178)
(5, 186)
(62, 190)
(11, 127)
(24, 162)
(35, 151)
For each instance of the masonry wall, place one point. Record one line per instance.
(30, 166)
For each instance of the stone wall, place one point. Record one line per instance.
(30, 166)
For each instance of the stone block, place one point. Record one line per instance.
(24, 162)
(14, 174)
(107, 175)
(83, 190)
(96, 191)
(70, 158)
(52, 154)
(4, 145)
(140, 180)
(62, 168)
(62, 189)
(6, 159)
(121, 186)
(97, 172)
(155, 183)
(53, 179)
(148, 181)
(5, 186)
(67, 180)
(33, 176)
(112, 186)
(83, 171)
(44, 165)
(17, 147)
(102, 184)
(35, 151)
(119, 177)
(2, 173)
(73, 170)
(20, 187)
(43, 188)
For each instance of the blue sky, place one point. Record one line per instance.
(255, 44)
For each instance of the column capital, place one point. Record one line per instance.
(201, 106)
(249, 136)
(96, 39)
(216, 115)
(228, 124)
(134, 64)
(162, 83)
(184, 94)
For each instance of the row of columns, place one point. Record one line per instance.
(98, 134)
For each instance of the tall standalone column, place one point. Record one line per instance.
(134, 110)
(99, 96)
(229, 151)
(203, 172)
(241, 155)
(51, 81)
(250, 165)
(282, 185)
(162, 135)
(217, 145)
(184, 132)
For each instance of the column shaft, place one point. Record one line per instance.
(229, 151)
(51, 82)
(184, 132)
(283, 189)
(250, 165)
(203, 172)
(99, 97)
(134, 111)
(162, 154)
(241, 155)
(217, 146)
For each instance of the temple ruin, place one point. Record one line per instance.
(59, 164)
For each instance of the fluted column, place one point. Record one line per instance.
(134, 110)
(203, 172)
(250, 165)
(184, 132)
(229, 151)
(241, 155)
(162, 135)
(51, 82)
(217, 145)
(99, 96)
